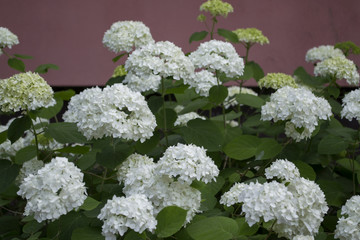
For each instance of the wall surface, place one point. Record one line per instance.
(69, 33)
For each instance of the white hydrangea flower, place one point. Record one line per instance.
(220, 56)
(230, 100)
(137, 174)
(202, 81)
(338, 67)
(54, 190)
(183, 119)
(309, 200)
(124, 35)
(121, 213)
(348, 225)
(270, 201)
(282, 169)
(29, 167)
(114, 111)
(321, 53)
(232, 196)
(351, 105)
(8, 149)
(188, 163)
(302, 237)
(7, 38)
(297, 134)
(299, 106)
(147, 65)
(25, 91)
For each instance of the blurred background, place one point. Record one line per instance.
(69, 33)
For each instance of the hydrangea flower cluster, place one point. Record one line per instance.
(25, 91)
(348, 225)
(219, 56)
(124, 35)
(297, 205)
(251, 36)
(121, 213)
(338, 67)
(321, 53)
(299, 107)
(7, 38)
(217, 8)
(277, 80)
(147, 65)
(183, 119)
(29, 167)
(53, 190)
(114, 111)
(351, 105)
(230, 100)
(202, 81)
(302, 237)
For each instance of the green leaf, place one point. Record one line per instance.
(10, 224)
(51, 111)
(16, 64)
(217, 94)
(248, 72)
(8, 174)
(333, 91)
(113, 154)
(169, 221)
(331, 145)
(18, 127)
(307, 79)
(203, 133)
(170, 118)
(132, 235)
(228, 35)
(115, 59)
(3, 136)
(213, 228)
(87, 160)
(257, 71)
(177, 89)
(65, 95)
(75, 149)
(245, 229)
(349, 164)
(242, 147)
(148, 145)
(65, 132)
(32, 226)
(115, 80)
(23, 56)
(268, 148)
(198, 36)
(86, 233)
(44, 68)
(333, 191)
(306, 171)
(335, 106)
(25, 154)
(250, 100)
(194, 105)
(89, 204)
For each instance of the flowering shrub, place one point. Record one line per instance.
(166, 151)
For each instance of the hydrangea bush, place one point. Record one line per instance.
(174, 147)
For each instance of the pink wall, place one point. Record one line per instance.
(69, 32)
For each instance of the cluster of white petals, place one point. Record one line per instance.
(120, 213)
(282, 169)
(348, 225)
(183, 119)
(25, 91)
(219, 56)
(300, 107)
(147, 65)
(302, 237)
(338, 67)
(202, 81)
(321, 53)
(230, 100)
(53, 190)
(29, 167)
(7, 38)
(124, 35)
(115, 111)
(297, 205)
(351, 105)
(187, 163)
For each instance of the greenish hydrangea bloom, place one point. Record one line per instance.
(201, 18)
(25, 91)
(251, 35)
(277, 80)
(119, 71)
(7, 38)
(217, 8)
